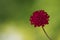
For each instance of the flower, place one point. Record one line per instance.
(39, 18)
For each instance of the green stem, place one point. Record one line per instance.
(46, 34)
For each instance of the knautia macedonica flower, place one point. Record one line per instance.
(39, 18)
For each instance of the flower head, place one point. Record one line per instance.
(39, 18)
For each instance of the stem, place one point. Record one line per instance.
(46, 34)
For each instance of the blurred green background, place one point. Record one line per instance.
(15, 24)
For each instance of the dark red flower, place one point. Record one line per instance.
(39, 18)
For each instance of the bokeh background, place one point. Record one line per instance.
(15, 24)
